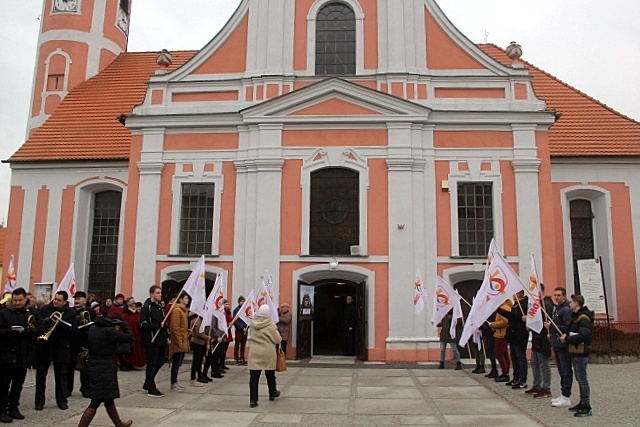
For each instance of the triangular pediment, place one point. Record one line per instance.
(337, 98)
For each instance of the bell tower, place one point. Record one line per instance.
(78, 39)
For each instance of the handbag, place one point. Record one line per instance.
(281, 360)
(123, 348)
(82, 362)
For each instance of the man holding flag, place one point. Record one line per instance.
(541, 353)
(445, 300)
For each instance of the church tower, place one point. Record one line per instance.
(78, 39)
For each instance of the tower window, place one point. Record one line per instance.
(55, 82)
(336, 40)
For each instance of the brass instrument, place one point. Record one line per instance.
(31, 321)
(6, 298)
(56, 316)
(86, 318)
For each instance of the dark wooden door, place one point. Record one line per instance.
(361, 333)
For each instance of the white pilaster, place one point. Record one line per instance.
(52, 234)
(27, 233)
(525, 166)
(270, 37)
(150, 167)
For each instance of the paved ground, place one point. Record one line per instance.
(332, 392)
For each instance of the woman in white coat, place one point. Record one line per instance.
(262, 354)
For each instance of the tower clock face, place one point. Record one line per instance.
(65, 5)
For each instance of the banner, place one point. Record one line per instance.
(248, 309)
(11, 277)
(535, 322)
(262, 297)
(444, 299)
(68, 284)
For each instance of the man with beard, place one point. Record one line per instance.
(84, 317)
(19, 325)
(55, 349)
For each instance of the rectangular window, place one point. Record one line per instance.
(103, 261)
(475, 217)
(196, 219)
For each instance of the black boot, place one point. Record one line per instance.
(441, 365)
(458, 366)
(476, 369)
(492, 374)
(87, 417)
(480, 370)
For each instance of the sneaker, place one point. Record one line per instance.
(243, 363)
(533, 390)
(5, 418)
(510, 383)
(542, 394)
(15, 414)
(576, 408)
(519, 386)
(237, 362)
(585, 411)
(492, 374)
(196, 383)
(154, 392)
(177, 388)
(562, 402)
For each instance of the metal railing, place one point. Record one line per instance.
(616, 337)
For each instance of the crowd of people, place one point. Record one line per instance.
(568, 330)
(123, 334)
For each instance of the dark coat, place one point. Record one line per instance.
(517, 333)
(562, 318)
(151, 316)
(103, 370)
(19, 348)
(350, 316)
(58, 348)
(239, 322)
(581, 330)
(540, 341)
(79, 339)
(445, 331)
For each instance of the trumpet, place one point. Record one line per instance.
(56, 316)
(6, 298)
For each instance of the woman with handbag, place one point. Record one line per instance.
(103, 371)
(262, 354)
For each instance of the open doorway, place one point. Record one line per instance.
(330, 305)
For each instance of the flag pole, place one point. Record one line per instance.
(166, 316)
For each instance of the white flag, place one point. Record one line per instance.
(11, 277)
(68, 284)
(444, 299)
(262, 297)
(500, 284)
(248, 309)
(195, 287)
(218, 292)
(269, 283)
(534, 312)
(419, 294)
(457, 314)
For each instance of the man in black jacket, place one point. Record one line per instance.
(518, 338)
(84, 316)
(19, 325)
(153, 337)
(562, 320)
(56, 349)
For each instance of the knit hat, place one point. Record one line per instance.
(264, 310)
(241, 298)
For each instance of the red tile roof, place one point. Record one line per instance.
(587, 126)
(85, 125)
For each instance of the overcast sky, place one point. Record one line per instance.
(591, 44)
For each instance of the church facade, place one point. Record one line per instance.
(340, 145)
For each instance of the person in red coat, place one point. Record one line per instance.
(229, 337)
(137, 358)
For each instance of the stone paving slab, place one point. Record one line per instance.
(308, 406)
(387, 393)
(315, 391)
(457, 392)
(474, 407)
(207, 419)
(390, 406)
(489, 420)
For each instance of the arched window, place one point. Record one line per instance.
(336, 40)
(103, 261)
(335, 211)
(582, 243)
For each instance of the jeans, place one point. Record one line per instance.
(238, 348)
(563, 360)
(501, 352)
(454, 347)
(541, 371)
(519, 360)
(176, 362)
(489, 345)
(580, 368)
(155, 360)
(255, 379)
